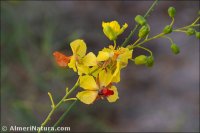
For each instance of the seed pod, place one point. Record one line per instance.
(167, 29)
(175, 49)
(140, 20)
(143, 31)
(171, 11)
(141, 59)
(190, 31)
(150, 61)
(197, 34)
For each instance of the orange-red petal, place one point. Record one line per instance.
(61, 59)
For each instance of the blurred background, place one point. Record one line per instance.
(158, 99)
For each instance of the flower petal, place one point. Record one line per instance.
(94, 71)
(88, 83)
(115, 26)
(123, 58)
(103, 56)
(116, 78)
(82, 69)
(61, 59)
(78, 47)
(72, 63)
(87, 97)
(105, 77)
(123, 29)
(114, 97)
(118, 68)
(90, 59)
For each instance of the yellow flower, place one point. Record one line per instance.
(79, 60)
(115, 60)
(99, 88)
(112, 29)
(120, 55)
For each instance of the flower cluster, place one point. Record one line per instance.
(97, 74)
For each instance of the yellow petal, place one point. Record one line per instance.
(118, 68)
(94, 71)
(114, 97)
(108, 31)
(123, 58)
(78, 47)
(123, 29)
(105, 77)
(115, 26)
(82, 69)
(103, 56)
(90, 59)
(72, 63)
(88, 83)
(116, 78)
(87, 97)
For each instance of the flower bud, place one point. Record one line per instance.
(143, 31)
(140, 20)
(175, 49)
(167, 29)
(150, 61)
(190, 31)
(197, 34)
(141, 59)
(108, 31)
(171, 11)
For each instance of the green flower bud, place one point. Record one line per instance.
(141, 59)
(150, 61)
(190, 31)
(171, 11)
(143, 31)
(175, 49)
(140, 20)
(197, 34)
(167, 29)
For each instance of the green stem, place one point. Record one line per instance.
(64, 115)
(149, 39)
(115, 44)
(48, 118)
(171, 41)
(191, 25)
(137, 41)
(179, 31)
(195, 21)
(148, 50)
(135, 28)
(172, 22)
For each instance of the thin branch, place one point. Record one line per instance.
(133, 31)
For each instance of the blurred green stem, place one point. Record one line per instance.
(58, 105)
(133, 31)
(64, 115)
